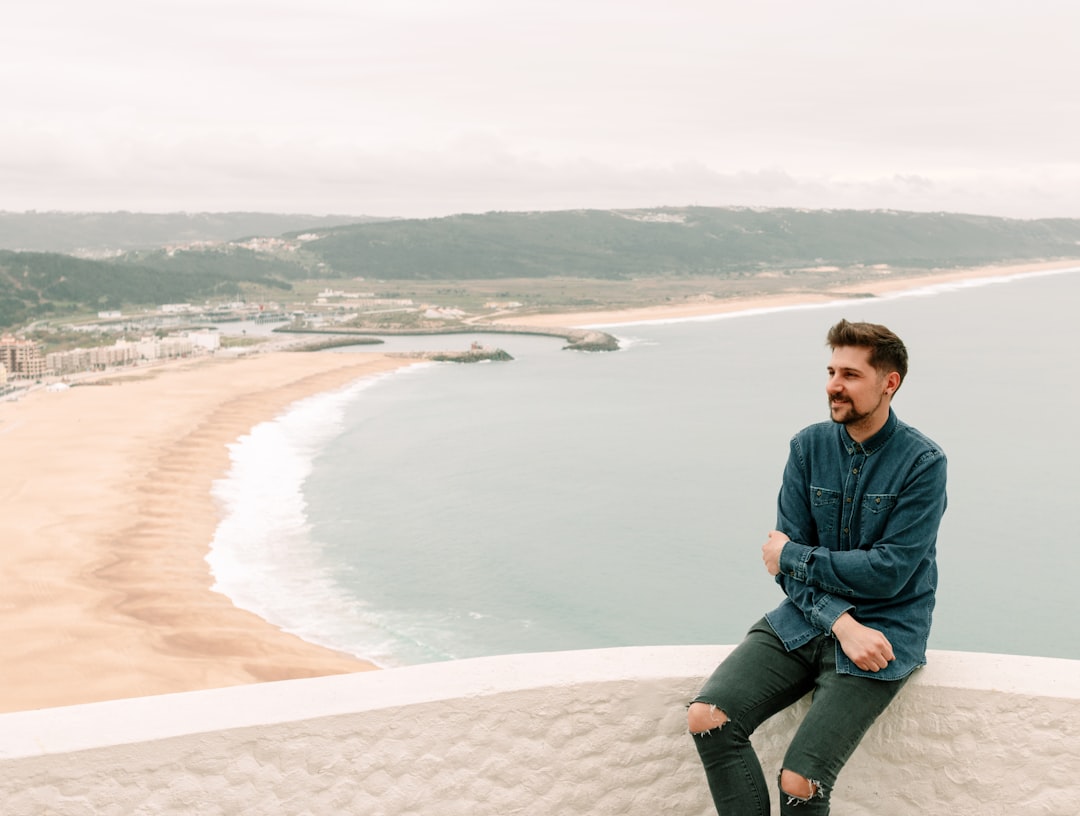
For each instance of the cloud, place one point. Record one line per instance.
(475, 172)
(418, 107)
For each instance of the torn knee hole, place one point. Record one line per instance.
(705, 717)
(798, 788)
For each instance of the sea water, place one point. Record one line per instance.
(571, 500)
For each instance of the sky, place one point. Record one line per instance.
(423, 108)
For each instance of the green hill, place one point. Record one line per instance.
(35, 285)
(603, 245)
(684, 241)
(73, 232)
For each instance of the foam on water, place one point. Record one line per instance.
(262, 555)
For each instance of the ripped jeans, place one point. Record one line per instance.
(760, 678)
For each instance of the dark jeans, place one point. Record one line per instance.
(758, 679)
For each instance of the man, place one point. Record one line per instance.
(854, 551)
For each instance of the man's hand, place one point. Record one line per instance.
(868, 648)
(770, 551)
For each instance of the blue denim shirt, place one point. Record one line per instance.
(863, 522)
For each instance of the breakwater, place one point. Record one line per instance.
(577, 339)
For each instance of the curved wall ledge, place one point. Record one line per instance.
(552, 734)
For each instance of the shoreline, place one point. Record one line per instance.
(109, 516)
(717, 307)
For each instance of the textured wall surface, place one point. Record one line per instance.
(559, 734)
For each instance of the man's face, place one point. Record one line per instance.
(856, 390)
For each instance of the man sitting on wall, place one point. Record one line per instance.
(854, 550)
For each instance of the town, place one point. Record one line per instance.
(176, 330)
(118, 339)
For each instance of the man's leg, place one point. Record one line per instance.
(843, 709)
(758, 679)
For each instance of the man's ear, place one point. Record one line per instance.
(892, 382)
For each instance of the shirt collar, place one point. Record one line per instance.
(875, 442)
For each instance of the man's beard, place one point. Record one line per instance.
(850, 415)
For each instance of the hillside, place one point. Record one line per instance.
(36, 285)
(108, 233)
(721, 244)
(684, 241)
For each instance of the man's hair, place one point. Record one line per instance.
(887, 351)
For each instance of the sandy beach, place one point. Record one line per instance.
(107, 516)
(704, 308)
(107, 519)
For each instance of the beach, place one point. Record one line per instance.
(107, 518)
(872, 285)
(108, 515)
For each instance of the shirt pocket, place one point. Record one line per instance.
(825, 507)
(876, 509)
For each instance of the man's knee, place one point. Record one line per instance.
(796, 785)
(702, 717)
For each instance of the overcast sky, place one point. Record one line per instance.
(432, 107)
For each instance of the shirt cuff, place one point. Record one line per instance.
(827, 610)
(793, 558)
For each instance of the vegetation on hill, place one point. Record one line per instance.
(726, 245)
(680, 241)
(226, 266)
(35, 285)
(122, 231)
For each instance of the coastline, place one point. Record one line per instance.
(108, 513)
(108, 518)
(716, 307)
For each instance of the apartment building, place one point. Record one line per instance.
(21, 358)
(121, 353)
(62, 363)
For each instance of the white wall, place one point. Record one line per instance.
(558, 734)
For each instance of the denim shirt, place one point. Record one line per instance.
(863, 521)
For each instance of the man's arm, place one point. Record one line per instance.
(884, 568)
(820, 608)
(868, 648)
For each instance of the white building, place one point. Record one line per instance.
(206, 340)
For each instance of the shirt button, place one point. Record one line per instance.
(854, 470)
(848, 499)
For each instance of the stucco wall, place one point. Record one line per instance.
(558, 734)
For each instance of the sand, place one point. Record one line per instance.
(106, 517)
(705, 308)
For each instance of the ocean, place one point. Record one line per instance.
(571, 500)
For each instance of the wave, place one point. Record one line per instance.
(262, 556)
